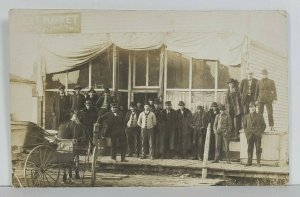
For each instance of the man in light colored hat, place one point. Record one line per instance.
(266, 95)
(185, 126)
(254, 126)
(60, 108)
(247, 90)
(77, 100)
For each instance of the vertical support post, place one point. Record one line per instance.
(115, 74)
(161, 73)
(165, 74)
(190, 82)
(216, 80)
(90, 74)
(206, 151)
(129, 77)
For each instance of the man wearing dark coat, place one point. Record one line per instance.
(104, 101)
(115, 130)
(133, 131)
(166, 136)
(247, 91)
(198, 133)
(92, 96)
(88, 116)
(60, 108)
(235, 108)
(157, 129)
(254, 126)
(184, 130)
(265, 94)
(209, 117)
(77, 100)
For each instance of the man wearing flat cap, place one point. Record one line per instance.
(198, 134)
(235, 109)
(60, 108)
(133, 131)
(209, 117)
(222, 130)
(265, 95)
(184, 130)
(247, 90)
(92, 96)
(104, 101)
(77, 100)
(254, 126)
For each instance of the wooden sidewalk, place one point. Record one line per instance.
(180, 166)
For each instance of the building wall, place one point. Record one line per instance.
(23, 104)
(277, 66)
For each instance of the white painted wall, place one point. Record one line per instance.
(23, 105)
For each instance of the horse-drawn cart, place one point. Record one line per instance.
(44, 157)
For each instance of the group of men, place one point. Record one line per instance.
(168, 133)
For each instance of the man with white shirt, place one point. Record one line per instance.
(147, 121)
(133, 131)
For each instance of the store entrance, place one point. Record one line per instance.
(143, 97)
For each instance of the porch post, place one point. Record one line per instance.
(115, 70)
(129, 77)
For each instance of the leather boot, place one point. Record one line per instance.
(258, 160)
(249, 162)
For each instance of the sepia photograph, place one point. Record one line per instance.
(111, 98)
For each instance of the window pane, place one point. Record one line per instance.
(123, 100)
(53, 81)
(178, 71)
(140, 69)
(203, 74)
(176, 96)
(79, 77)
(221, 97)
(102, 70)
(227, 72)
(154, 61)
(123, 70)
(202, 98)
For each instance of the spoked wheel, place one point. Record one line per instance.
(42, 167)
(94, 163)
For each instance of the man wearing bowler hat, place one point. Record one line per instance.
(92, 96)
(247, 90)
(77, 100)
(115, 129)
(198, 133)
(265, 95)
(254, 126)
(133, 131)
(166, 136)
(235, 108)
(184, 130)
(209, 117)
(222, 130)
(60, 108)
(104, 101)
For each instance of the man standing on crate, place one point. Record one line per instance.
(265, 95)
(115, 129)
(104, 101)
(254, 125)
(60, 108)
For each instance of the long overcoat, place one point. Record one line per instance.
(60, 109)
(184, 130)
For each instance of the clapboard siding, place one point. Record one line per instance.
(260, 58)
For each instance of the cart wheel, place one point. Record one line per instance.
(42, 167)
(94, 163)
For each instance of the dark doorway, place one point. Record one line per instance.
(143, 97)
